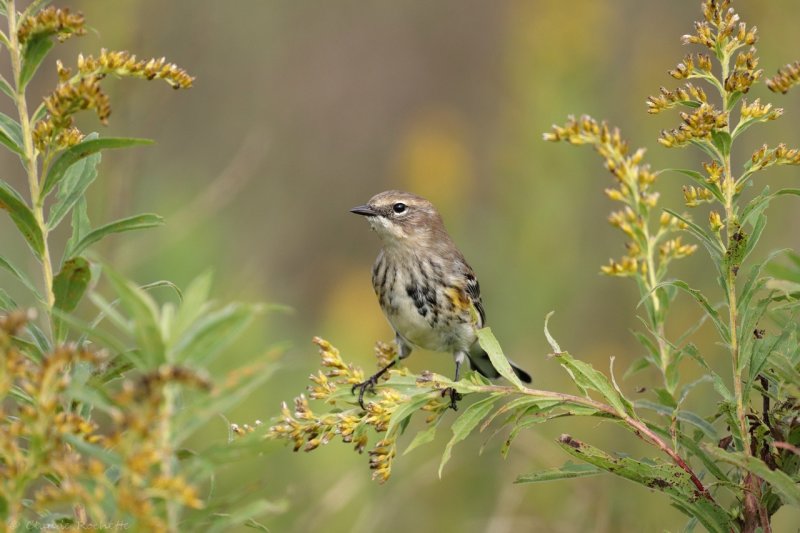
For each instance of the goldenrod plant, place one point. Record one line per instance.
(729, 467)
(97, 415)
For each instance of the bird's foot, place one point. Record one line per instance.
(369, 384)
(454, 397)
(362, 387)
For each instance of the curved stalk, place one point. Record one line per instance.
(31, 164)
(639, 428)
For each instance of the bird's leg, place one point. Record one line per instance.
(370, 383)
(455, 396)
(403, 351)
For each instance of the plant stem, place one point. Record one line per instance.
(639, 428)
(658, 325)
(731, 231)
(168, 457)
(31, 167)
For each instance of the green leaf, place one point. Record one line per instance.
(6, 88)
(649, 344)
(734, 98)
(73, 186)
(81, 150)
(107, 457)
(683, 416)
(707, 148)
(70, 284)
(198, 413)
(665, 398)
(754, 282)
(34, 51)
(228, 521)
(713, 247)
(68, 288)
(147, 220)
(550, 340)
(212, 333)
(21, 276)
(39, 113)
(489, 343)
(164, 283)
(758, 229)
(695, 450)
(80, 226)
(758, 203)
(11, 134)
(7, 303)
(403, 413)
(656, 475)
(144, 314)
(765, 349)
(568, 471)
(23, 218)
(741, 128)
(465, 423)
(700, 180)
(781, 482)
(722, 141)
(194, 305)
(722, 389)
(786, 369)
(101, 337)
(637, 366)
(698, 296)
(423, 437)
(586, 377)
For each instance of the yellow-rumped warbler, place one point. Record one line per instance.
(424, 285)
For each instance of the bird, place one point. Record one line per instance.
(425, 287)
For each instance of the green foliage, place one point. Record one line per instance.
(728, 467)
(100, 415)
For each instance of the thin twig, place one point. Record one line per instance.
(640, 428)
(786, 446)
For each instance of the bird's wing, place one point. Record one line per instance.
(473, 289)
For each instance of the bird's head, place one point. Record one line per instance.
(401, 218)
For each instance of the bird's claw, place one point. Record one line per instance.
(454, 397)
(370, 384)
(362, 387)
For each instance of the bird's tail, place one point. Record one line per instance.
(479, 360)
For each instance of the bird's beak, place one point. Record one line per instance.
(364, 210)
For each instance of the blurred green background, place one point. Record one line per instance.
(302, 110)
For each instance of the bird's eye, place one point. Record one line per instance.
(399, 207)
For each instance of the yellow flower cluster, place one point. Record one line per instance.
(51, 21)
(634, 182)
(694, 196)
(308, 430)
(786, 78)
(721, 30)
(682, 95)
(758, 111)
(125, 65)
(697, 125)
(40, 424)
(82, 91)
(675, 249)
(744, 73)
(780, 155)
(695, 66)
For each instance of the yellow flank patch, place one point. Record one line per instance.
(463, 302)
(459, 298)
